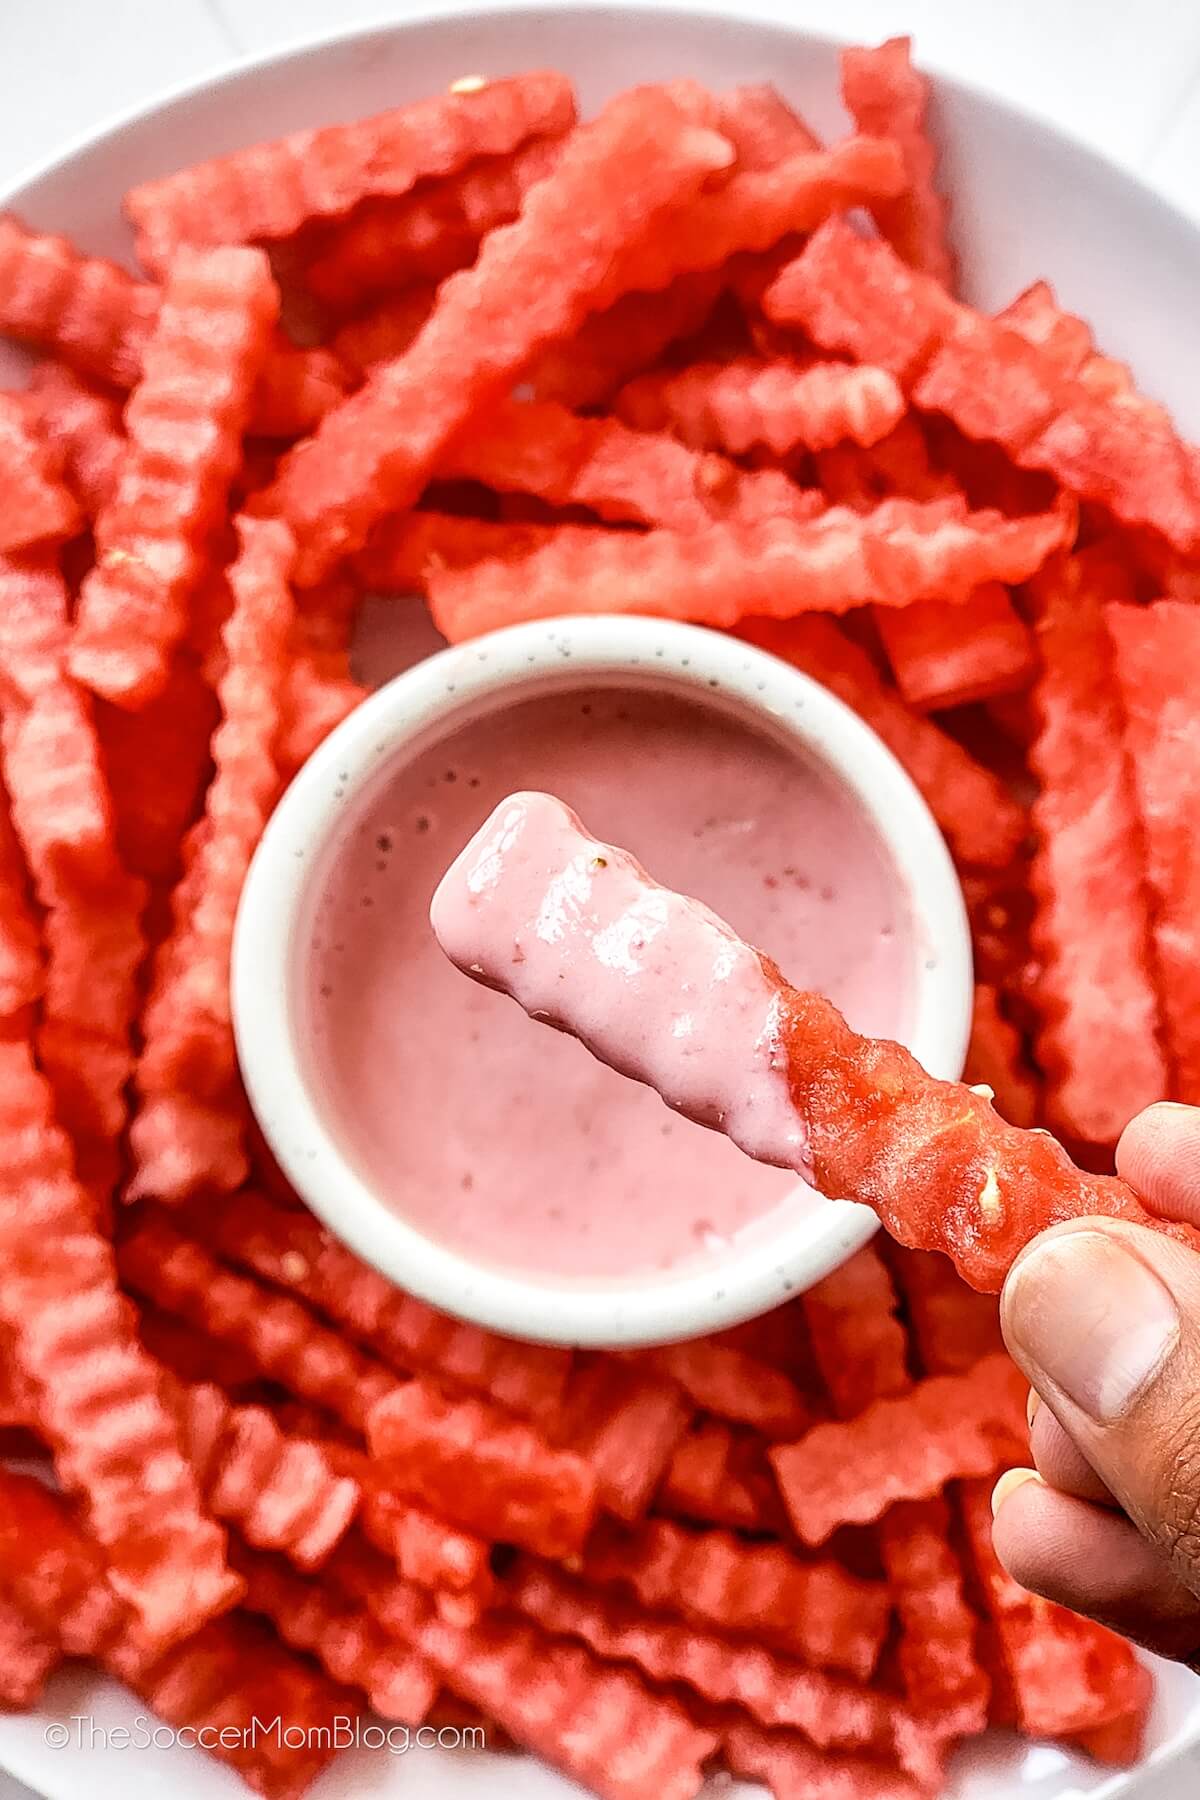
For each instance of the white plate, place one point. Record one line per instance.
(1027, 202)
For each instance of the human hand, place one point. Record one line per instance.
(1104, 1319)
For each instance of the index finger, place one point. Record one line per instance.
(1159, 1156)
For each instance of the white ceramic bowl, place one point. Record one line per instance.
(1027, 202)
(781, 1253)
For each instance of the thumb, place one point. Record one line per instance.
(1104, 1319)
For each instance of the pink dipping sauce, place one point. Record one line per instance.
(509, 1142)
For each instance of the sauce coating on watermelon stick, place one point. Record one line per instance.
(659, 987)
(655, 985)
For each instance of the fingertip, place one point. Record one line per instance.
(1038, 1531)
(1095, 1562)
(1008, 1484)
(1017, 1532)
(1159, 1156)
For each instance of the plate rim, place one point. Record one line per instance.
(756, 14)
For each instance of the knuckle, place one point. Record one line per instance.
(1178, 1523)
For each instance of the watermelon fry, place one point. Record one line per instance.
(270, 190)
(184, 423)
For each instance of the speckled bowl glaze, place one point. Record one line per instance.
(782, 1253)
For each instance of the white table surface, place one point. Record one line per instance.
(1124, 79)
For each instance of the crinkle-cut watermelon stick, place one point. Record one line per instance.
(903, 1447)
(230, 1674)
(944, 657)
(854, 295)
(27, 1657)
(1157, 667)
(856, 1116)
(784, 403)
(996, 1057)
(424, 1548)
(860, 1346)
(784, 1764)
(1068, 1674)
(54, 1571)
(373, 453)
(816, 1611)
(718, 1475)
(342, 1637)
(85, 426)
(21, 972)
(236, 1672)
(95, 946)
(288, 1343)
(1120, 1741)
(732, 1385)
(319, 686)
(863, 1352)
(587, 367)
(1100, 1024)
(539, 447)
(982, 822)
(184, 422)
(281, 1491)
(385, 330)
(754, 210)
(1065, 1674)
(224, 1674)
(98, 318)
(625, 1423)
(426, 235)
(268, 191)
(320, 693)
(762, 126)
(290, 1248)
(887, 97)
(938, 1652)
(157, 762)
(62, 813)
(1036, 315)
(100, 1400)
(596, 1721)
(832, 1711)
(904, 550)
(933, 1158)
(953, 1325)
(941, 655)
(487, 1472)
(188, 1066)
(92, 313)
(35, 507)
(407, 549)
(977, 813)
(60, 801)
